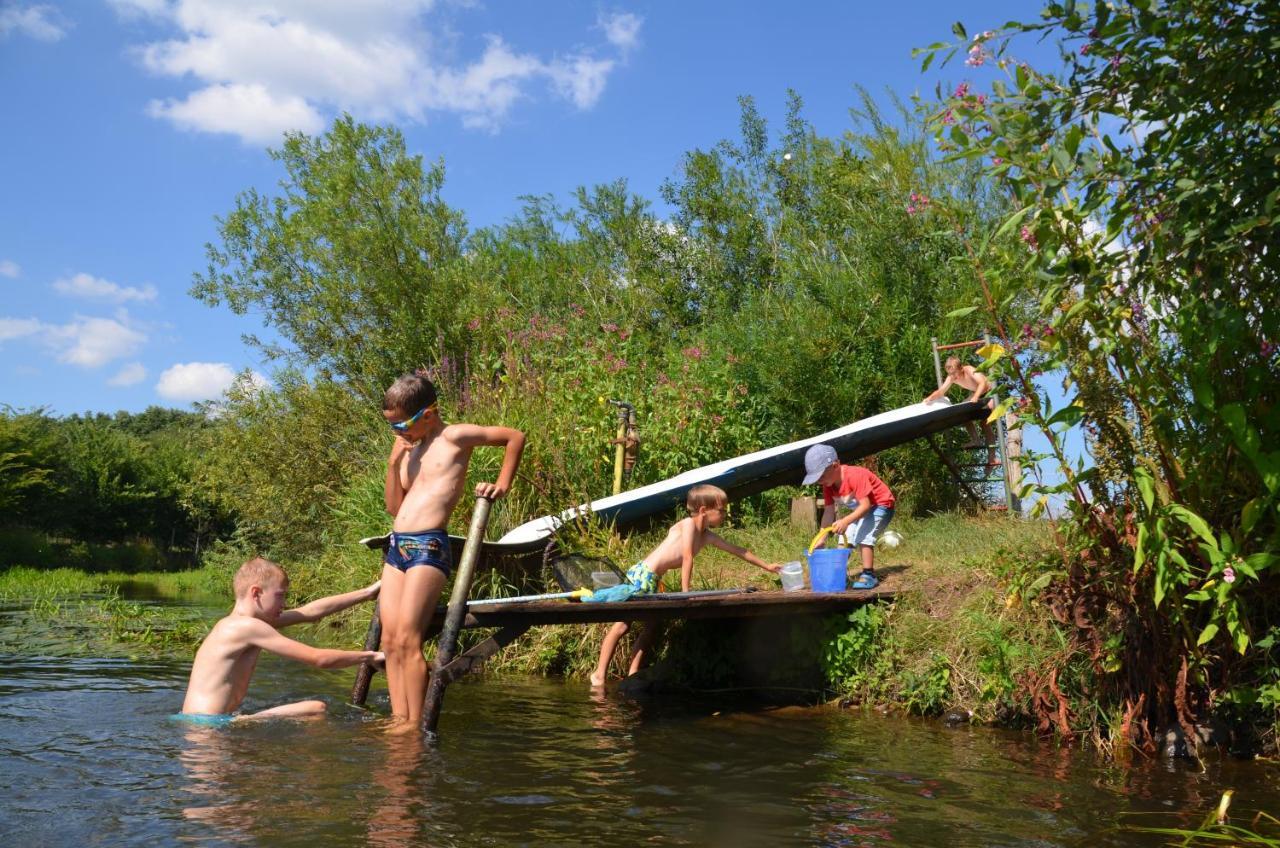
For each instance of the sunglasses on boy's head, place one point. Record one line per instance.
(401, 426)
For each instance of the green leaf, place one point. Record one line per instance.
(1146, 487)
(1195, 523)
(1012, 221)
(958, 29)
(1208, 633)
(962, 312)
(1071, 415)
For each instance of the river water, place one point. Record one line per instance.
(89, 758)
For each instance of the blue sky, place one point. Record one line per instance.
(131, 124)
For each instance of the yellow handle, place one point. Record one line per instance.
(817, 540)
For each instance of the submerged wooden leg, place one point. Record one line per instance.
(456, 614)
(474, 657)
(364, 675)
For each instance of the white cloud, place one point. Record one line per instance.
(17, 328)
(87, 342)
(130, 375)
(248, 111)
(261, 67)
(41, 22)
(93, 342)
(622, 29)
(196, 381)
(9, 268)
(87, 286)
(581, 79)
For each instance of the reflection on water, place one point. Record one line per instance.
(91, 759)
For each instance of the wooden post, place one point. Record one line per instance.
(803, 513)
(457, 613)
(364, 676)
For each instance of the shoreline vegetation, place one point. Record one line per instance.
(952, 640)
(1111, 224)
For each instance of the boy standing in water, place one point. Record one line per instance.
(854, 488)
(226, 659)
(425, 474)
(706, 505)
(971, 379)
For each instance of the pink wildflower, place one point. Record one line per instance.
(1084, 50)
(1228, 575)
(981, 99)
(996, 160)
(694, 352)
(1116, 60)
(1029, 238)
(977, 56)
(473, 324)
(962, 90)
(948, 117)
(609, 328)
(1268, 348)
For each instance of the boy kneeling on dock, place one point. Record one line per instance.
(706, 505)
(225, 661)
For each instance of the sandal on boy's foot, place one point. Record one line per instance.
(866, 580)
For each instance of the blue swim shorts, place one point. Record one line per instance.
(644, 580)
(428, 547)
(203, 720)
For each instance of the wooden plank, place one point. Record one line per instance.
(474, 657)
(746, 605)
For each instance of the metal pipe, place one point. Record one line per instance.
(456, 614)
(976, 343)
(937, 362)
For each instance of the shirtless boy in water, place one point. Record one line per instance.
(971, 379)
(706, 505)
(425, 475)
(226, 659)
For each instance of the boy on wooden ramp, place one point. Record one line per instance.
(706, 505)
(972, 380)
(426, 471)
(225, 661)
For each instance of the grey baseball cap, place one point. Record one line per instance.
(817, 459)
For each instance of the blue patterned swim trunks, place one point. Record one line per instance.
(645, 581)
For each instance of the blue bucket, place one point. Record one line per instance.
(828, 569)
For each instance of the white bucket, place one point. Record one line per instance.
(792, 575)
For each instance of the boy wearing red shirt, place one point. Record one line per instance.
(856, 489)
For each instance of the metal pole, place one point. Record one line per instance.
(1004, 460)
(456, 614)
(620, 452)
(937, 362)
(364, 676)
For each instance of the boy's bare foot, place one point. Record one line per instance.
(400, 726)
(597, 682)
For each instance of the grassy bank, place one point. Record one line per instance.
(951, 640)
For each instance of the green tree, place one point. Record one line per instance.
(357, 264)
(1146, 181)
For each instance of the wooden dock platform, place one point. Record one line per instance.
(512, 620)
(657, 608)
